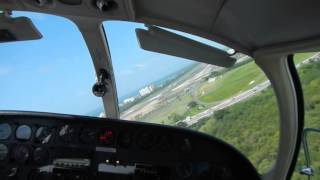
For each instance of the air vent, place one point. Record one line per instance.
(105, 5)
(43, 3)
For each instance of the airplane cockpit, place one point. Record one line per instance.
(159, 90)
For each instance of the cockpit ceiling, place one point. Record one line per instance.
(245, 25)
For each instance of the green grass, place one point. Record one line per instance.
(231, 83)
(236, 81)
(161, 115)
(252, 126)
(302, 56)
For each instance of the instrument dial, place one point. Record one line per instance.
(40, 155)
(5, 131)
(3, 152)
(43, 135)
(21, 154)
(67, 133)
(125, 139)
(23, 132)
(146, 140)
(88, 136)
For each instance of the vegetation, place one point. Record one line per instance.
(310, 79)
(231, 83)
(252, 126)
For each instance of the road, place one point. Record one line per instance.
(235, 99)
(226, 103)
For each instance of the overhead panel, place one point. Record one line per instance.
(261, 23)
(193, 13)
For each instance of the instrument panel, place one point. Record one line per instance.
(49, 146)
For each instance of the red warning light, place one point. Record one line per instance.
(106, 137)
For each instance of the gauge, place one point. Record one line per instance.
(125, 139)
(106, 137)
(146, 140)
(67, 133)
(164, 143)
(21, 154)
(184, 170)
(23, 132)
(3, 152)
(5, 131)
(40, 155)
(43, 135)
(88, 136)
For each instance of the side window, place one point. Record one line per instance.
(234, 104)
(308, 67)
(52, 74)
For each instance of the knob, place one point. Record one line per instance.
(21, 154)
(40, 156)
(99, 89)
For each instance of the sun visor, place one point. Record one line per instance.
(162, 41)
(17, 29)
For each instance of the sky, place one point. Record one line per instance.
(55, 73)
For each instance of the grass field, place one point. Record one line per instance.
(225, 86)
(231, 83)
(298, 58)
(252, 126)
(161, 116)
(237, 81)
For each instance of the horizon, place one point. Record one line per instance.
(58, 77)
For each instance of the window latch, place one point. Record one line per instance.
(100, 88)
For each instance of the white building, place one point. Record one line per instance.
(129, 100)
(147, 90)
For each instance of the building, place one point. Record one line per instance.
(146, 90)
(129, 100)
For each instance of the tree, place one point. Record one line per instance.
(182, 124)
(192, 104)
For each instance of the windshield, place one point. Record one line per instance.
(53, 74)
(234, 104)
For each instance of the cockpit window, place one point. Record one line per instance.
(53, 74)
(234, 104)
(308, 68)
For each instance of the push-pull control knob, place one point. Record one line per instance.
(12, 172)
(21, 154)
(184, 170)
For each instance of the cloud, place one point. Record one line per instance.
(4, 71)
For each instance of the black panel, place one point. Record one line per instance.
(66, 147)
(71, 2)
